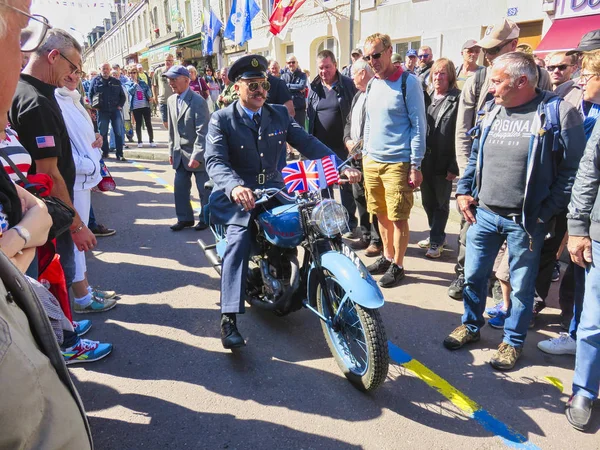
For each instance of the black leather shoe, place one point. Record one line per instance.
(230, 336)
(181, 225)
(579, 412)
(201, 226)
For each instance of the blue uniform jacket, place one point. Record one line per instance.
(237, 152)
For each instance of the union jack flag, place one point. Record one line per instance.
(301, 176)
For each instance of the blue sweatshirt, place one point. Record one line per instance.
(394, 134)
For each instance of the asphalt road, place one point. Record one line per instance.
(170, 385)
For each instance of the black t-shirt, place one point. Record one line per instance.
(329, 127)
(279, 92)
(37, 118)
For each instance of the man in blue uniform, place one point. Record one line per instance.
(243, 146)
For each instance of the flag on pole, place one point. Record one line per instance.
(283, 10)
(211, 28)
(239, 28)
(301, 176)
(328, 173)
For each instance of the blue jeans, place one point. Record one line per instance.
(578, 297)
(586, 380)
(183, 189)
(484, 239)
(116, 119)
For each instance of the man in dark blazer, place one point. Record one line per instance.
(244, 144)
(188, 123)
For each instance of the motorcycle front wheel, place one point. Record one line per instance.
(359, 343)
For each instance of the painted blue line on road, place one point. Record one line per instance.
(510, 437)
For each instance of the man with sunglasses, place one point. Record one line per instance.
(425, 56)
(561, 68)
(37, 118)
(498, 39)
(244, 146)
(40, 407)
(297, 83)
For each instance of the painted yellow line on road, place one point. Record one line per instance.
(555, 382)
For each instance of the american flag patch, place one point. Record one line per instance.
(45, 141)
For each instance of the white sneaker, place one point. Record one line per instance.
(152, 144)
(561, 345)
(424, 243)
(140, 145)
(434, 251)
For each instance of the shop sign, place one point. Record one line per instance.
(575, 8)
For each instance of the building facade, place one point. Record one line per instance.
(151, 28)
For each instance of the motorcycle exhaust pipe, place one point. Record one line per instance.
(211, 255)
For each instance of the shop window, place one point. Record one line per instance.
(167, 13)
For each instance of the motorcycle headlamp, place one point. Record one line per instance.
(330, 217)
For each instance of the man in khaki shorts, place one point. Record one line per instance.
(394, 145)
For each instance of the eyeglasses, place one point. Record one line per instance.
(495, 50)
(561, 67)
(424, 56)
(253, 85)
(373, 56)
(133, 72)
(34, 34)
(585, 78)
(292, 62)
(74, 69)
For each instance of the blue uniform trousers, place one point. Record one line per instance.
(235, 269)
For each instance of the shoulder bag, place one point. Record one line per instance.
(61, 213)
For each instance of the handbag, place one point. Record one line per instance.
(107, 183)
(61, 213)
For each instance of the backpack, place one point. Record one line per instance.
(404, 77)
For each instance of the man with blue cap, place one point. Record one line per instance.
(187, 119)
(244, 144)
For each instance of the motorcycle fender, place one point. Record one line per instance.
(352, 275)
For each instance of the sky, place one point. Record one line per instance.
(82, 18)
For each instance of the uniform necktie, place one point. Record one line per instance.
(256, 118)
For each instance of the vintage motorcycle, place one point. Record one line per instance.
(332, 282)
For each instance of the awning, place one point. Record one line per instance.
(192, 41)
(565, 34)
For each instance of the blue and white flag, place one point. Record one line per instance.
(211, 28)
(239, 28)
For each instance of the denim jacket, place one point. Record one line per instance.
(551, 167)
(131, 90)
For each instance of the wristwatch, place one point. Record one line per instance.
(23, 233)
(415, 167)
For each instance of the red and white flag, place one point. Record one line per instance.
(283, 10)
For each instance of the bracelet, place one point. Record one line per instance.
(78, 229)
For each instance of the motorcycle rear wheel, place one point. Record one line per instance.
(360, 345)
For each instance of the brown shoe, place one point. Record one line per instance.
(505, 357)
(373, 250)
(459, 337)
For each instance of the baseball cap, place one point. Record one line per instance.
(139, 66)
(469, 44)
(590, 41)
(396, 57)
(176, 71)
(357, 51)
(412, 52)
(499, 33)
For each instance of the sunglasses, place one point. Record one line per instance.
(424, 55)
(253, 85)
(373, 56)
(292, 62)
(561, 67)
(495, 50)
(34, 34)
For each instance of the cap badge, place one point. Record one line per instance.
(489, 30)
(254, 62)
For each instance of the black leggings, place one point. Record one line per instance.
(138, 114)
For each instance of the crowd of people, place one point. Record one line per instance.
(403, 123)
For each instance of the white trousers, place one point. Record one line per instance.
(82, 201)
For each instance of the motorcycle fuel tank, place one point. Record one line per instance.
(282, 226)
